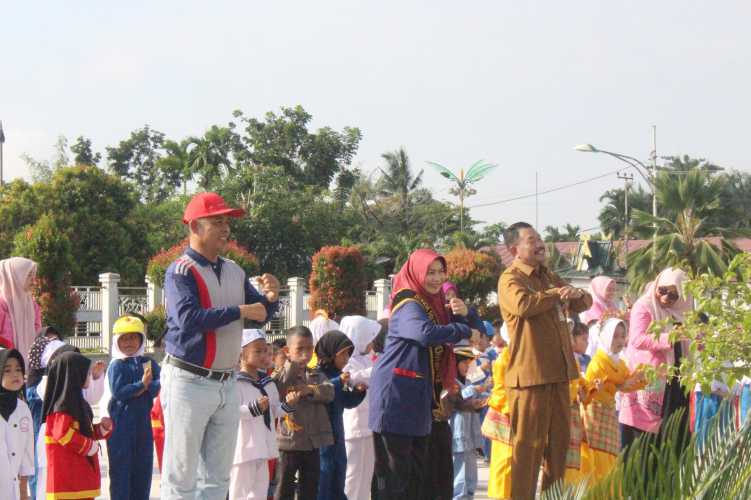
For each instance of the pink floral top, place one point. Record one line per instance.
(6, 324)
(643, 409)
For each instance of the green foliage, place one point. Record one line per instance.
(47, 245)
(283, 140)
(721, 348)
(672, 466)
(612, 216)
(20, 206)
(337, 282)
(570, 232)
(83, 154)
(680, 241)
(155, 322)
(474, 273)
(159, 263)
(137, 160)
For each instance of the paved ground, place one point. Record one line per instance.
(481, 487)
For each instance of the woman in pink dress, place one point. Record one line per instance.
(642, 411)
(20, 316)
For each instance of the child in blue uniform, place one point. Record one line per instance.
(133, 383)
(333, 351)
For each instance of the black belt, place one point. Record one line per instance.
(219, 376)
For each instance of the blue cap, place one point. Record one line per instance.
(489, 330)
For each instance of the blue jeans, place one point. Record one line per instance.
(201, 420)
(465, 475)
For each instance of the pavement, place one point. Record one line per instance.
(481, 494)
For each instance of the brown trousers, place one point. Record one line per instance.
(539, 429)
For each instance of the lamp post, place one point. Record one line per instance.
(647, 173)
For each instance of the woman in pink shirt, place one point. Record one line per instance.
(20, 316)
(642, 411)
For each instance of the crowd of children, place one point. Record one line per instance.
(303, 429)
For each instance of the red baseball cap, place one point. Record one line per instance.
(209, 205)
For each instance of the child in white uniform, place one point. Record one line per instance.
(259, 407)
(358, 438)
(16, 429)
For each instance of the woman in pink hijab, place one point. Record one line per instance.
(20, 316)
(602, 290)
(664, 299)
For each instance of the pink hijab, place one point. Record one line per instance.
(13, 275)
(600, 305)
(668, 277)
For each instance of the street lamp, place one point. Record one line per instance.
(647, 173)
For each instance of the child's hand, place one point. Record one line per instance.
(106, 425)
(147, 378)
(98, 370)
(598, 384)
(292, 398)
(479, 403)
(305, 390)
(263, 403)
(361, 387)
(344, 377)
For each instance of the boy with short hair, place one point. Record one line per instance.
(579, 341)
(302, 435)
(260, 405)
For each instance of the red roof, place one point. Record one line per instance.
(569, 248)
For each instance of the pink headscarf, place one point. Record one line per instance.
(597, 288)
(668, 277)
(449, 286)
(13, 275)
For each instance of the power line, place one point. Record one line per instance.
(559, 188)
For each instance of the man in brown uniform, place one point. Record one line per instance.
(533, 303)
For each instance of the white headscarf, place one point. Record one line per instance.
(117, 353)
(321, 325)
(668, 277)
(605, 339)
(360, 330)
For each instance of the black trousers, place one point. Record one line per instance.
(439, 473)
(308, 464)
(400, 466)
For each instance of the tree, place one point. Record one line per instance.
(681, 239)
(83, 152)
(136, 158)
(612, 216)
(337, 281)
(21, 206)
(46, 244)
(474, 273)
(311, 158)
(570, 233)
(398, 182)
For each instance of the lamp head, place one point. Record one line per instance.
(586, 148)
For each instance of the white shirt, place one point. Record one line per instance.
(18, 459)
(360, 367)
(254, 440)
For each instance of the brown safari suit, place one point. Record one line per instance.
(540, 368)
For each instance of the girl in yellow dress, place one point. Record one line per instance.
(497, 428)
(606, 374)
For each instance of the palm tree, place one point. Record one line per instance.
(681, 235)
(570, 233)
(177, 164)
(612, 216)
(398, 182)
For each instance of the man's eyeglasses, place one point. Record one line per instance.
(667, 292)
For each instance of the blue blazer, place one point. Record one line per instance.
(401, 385)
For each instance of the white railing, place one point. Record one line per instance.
(102, 305)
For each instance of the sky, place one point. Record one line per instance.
(518, 84)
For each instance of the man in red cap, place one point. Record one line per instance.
(208, 300)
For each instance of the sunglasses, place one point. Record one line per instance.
(666, 292)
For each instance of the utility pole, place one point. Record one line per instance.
(628, 179)
(537, 202)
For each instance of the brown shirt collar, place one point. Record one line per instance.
(526, 268)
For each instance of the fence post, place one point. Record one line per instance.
(296, 301)
(110, 306)
(153, 295)
(383, 292)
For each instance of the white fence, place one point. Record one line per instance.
(102, 305)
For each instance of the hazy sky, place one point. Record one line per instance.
(516, 83)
